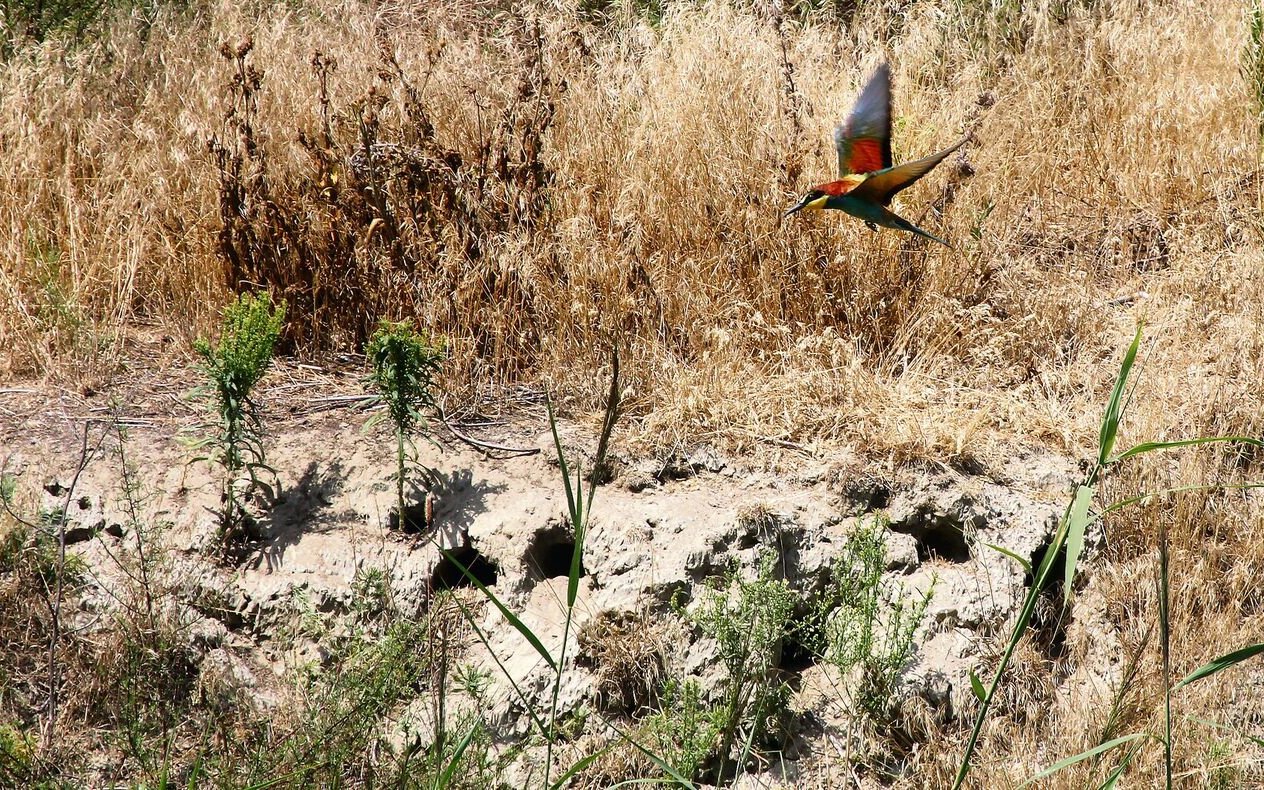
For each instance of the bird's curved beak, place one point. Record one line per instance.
(802, 204)
(815, 201)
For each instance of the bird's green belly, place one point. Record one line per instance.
(861, 209)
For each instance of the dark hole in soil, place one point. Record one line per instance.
(879, 497)
(943, 538)
(448, 575)
(1050, 618)
(1053, 582)
(795, 657)
(415, 521)
(550, 555)
(868, 494)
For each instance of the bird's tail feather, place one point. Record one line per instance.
(896, 221)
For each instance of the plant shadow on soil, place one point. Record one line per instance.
(300, 509)
(304, 508)
(458, 499)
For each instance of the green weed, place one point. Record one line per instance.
(685, 730)
(748, 619)
(867, 623)
(234, 366)
(17, 756)
(404, 365)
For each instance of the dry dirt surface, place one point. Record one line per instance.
(660, 528)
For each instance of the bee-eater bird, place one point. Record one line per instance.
(866, 180)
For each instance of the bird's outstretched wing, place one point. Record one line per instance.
(863, 140)
(883, 185)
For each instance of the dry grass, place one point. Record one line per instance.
(623, 181)
(566, 182)
(627, 653)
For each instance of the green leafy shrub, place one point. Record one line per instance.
(234, 366)
(866, 622)
(748, 621)
(404, 365)
(685, 731)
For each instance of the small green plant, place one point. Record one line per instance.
(370, 594)
(472, 680)
(864, 622)
(33, 547)
(404, 364)
(685, 730)
(234, 366)
(17, 756)
(1223, 775)
(748, 621)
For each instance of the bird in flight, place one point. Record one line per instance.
(866, 180)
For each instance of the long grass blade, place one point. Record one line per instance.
(1224, 662)
(578, 508)
(1115, 406)
(276, 780)
(576, 768)
(445, 778)
(1113, 779)
(599, 463)
(518, 625)
(1082, 756)
(482, 637)
(976, 686)
(1024, 617)
(1165, 646)
(573, 508)
(662, 764)
(1109, 431)
(613, 400)
(1149, 447)
(1077, 522)
(1123, 503)
(1023, 561)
